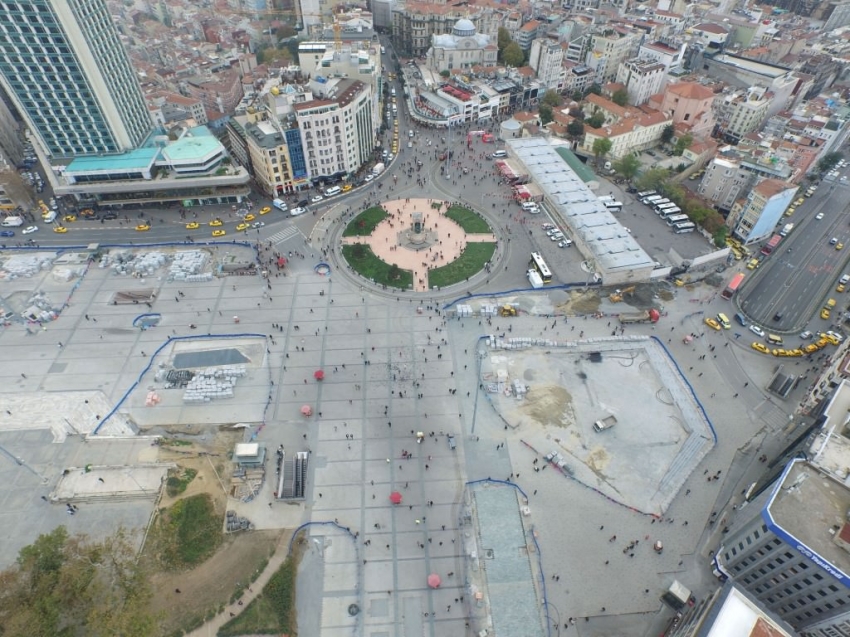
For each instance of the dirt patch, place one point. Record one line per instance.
(580, 302)
(206, 589)
(547, 405)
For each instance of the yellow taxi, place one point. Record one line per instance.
(799, 201)
(249, 217)
(829, 338)
(752, 264)
(824, 313)
(266, 210)
(811, 348)
(242, 226)
(840, 287)
(830, 303)
(60, 229)
(790, 211)
(346, 187)
(780, 352)
(839, 246)
(216, 223)
(69, 218)
(712, 323)
(194, 225)
(760, 347)
(823, 341)
(143, 227)
(796, 353)
(218, 233)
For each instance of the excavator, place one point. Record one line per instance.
(507, 310)
(617, 295)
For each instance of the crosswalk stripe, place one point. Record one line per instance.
(283, 235)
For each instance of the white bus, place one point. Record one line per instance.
(605, 198)
(539, 264)
(614, 206)
(665, 206)
(661, 202)
(673, 220)
(646, 193)
(651, 199)
(669, 212)
(685, 226)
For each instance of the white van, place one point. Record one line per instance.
(335, 190)
(12, 222)
(49, 217)
(499, 154)
(528, 205)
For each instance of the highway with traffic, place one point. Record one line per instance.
(786, 293)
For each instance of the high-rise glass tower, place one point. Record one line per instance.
(64, 67)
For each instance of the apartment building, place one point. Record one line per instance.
(547, 60)
(756, 217)
(642, 78)
(724, 181)
(741, 112)
(220, 93)
(690, 104)
(608, 49)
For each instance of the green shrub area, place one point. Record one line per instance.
(188, 532)
(361, 258)
(273, 611)
(471, 261)
(363, 224)
(176, 484)
(469, 220)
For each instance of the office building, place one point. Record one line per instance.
(65, 70)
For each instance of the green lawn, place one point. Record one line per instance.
(471, 261)
(363, 224)
(187, 533)
(272, 612)
(363, 260)
(470, 221)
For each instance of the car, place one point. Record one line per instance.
(60, 229)
(806, 335)
(780, 352)
(218, 233)
(811, 348)
(839, 246)
(819, 216)
(796, 353)
(249, 217)
(347, 187)
(566, 243)
(143, 227)
(712, 323)
(824, 313)
(760, 347)
(265, 210)
(29, 230)
(297, 211)
(832, 337)
(547, 226)
(369, 178)
(7, 233)
(69, 218)
(316, 198)
(194, 225)
(257, 224)
(242, 226)
(830, 303)
(840, 287)
(755, 329)
(833, 241)
(110, 215)
(216, 222)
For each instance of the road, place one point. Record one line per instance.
(786, 292)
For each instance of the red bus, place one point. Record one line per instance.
(771, 245)
(733, 286)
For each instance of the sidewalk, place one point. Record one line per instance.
(210, 629)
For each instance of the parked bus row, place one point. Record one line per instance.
(676, 220)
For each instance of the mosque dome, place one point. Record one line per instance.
(463, 28)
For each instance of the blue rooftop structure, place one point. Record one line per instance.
(133, 161)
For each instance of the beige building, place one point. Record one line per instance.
(608, 49)
(463, 48)
(742, 112)
(631, 134)
(689, 104)
(642, 79)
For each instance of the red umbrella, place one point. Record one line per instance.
(306, 410)
(319, 374)
(434, 580)
(395, 497)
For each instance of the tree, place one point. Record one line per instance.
(667, 134)
(551, 98)
(545, 112)
(575, 129)
(620, 97)
(503, 39)
(63, 585)
(513, 55)
(596, 120)
(577, 96)
(601, 147)
(652, 179)
(445, 73)
(683, 143)
(828, 162)
(595, 89)
(266, 56)
(627, 167)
